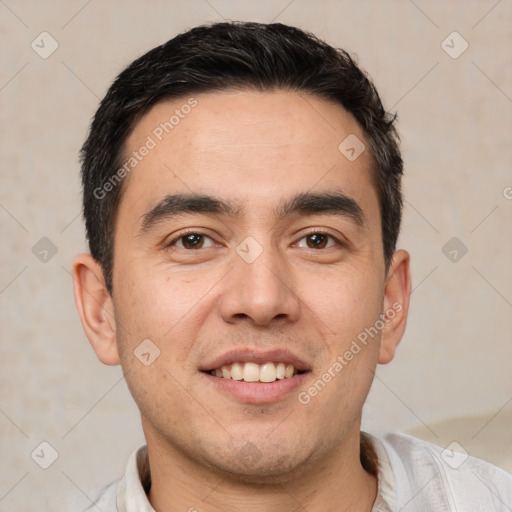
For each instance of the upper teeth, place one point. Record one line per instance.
(253, 372)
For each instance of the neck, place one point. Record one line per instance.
(337, 483)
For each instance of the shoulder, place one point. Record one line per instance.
(129, 493)
(105, 499)
(447, 479)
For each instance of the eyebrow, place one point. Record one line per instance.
(303, 204)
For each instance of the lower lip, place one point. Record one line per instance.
(257, 392)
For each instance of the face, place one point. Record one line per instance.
(280, 261)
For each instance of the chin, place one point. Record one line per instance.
(270, 465)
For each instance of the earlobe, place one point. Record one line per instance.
(396, 305)
(95, 307)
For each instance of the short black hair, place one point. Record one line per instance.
(232, 55)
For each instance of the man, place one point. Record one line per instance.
(242, 204)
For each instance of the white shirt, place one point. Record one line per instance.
(413, 476)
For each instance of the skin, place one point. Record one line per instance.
(254, 149)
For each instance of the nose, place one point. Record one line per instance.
(261, 290)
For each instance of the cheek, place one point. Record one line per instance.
(148, 301)
(347, 300)
(164, 305)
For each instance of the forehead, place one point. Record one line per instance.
(247, 145)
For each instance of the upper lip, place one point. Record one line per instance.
(255, 356)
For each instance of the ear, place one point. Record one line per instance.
(95, 307)
(396, 305)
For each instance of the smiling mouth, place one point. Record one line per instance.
(253, 372)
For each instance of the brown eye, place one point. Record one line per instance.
(319, 240)
(190, 241)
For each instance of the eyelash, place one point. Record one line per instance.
(172, 243)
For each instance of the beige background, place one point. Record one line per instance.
(451, 379)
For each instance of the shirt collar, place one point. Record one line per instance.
(131, 493)
(386, 499)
